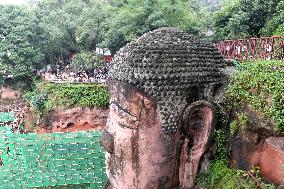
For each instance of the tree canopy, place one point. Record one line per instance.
(248, 18)
(21, 41)
(133, 18)
(49, 30)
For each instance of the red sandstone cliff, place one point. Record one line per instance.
(258, 145)
(73, 119)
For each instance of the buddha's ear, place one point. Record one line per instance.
(198, 126)
(199, 115)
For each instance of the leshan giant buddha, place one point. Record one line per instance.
(162, 115)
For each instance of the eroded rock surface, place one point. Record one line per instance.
(268, 155)
(8, 93)
(76, 119)
(259, 145)
(270, 158)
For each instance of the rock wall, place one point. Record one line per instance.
(270, 158)
(8, 94)
(74, 119)
(258, 145)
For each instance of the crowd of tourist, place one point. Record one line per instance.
(99, 75)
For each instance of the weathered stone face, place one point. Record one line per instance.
(139, 154)
(173, 67)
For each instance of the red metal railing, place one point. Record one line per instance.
(253, 48)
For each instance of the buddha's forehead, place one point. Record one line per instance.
(129, 98)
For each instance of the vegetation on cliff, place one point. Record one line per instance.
(260, 85)
(219, 173)
(48, 96)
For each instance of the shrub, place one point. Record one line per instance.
(48, 96)
(219, 174)
(260, 84)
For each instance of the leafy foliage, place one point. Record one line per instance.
(20, 82)
(233, 127)
(131, 19)
(86, 60)
(243, 18)
(275, 24)
(49, 96)
(51, 30)
(38, 101)
(260, 84)
(91, 24)
(239, 124)
(58, 20)
(219, 174)
(20, 41)
(71, 26)
(222, 149)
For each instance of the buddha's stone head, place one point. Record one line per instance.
(161, 118)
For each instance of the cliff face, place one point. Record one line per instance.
(57, 120)
(258, 145)
(74, 119)
(256, 91)
(6, 92)
(7, 96)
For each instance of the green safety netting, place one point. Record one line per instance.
(6, 116)
(52, 160)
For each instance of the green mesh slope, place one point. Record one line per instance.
(56, 160)
(6, 116)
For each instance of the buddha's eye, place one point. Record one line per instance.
(124, 117)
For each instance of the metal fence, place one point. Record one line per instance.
(52, 160)
(253, 48)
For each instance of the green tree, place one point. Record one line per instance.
(73, 25)
(91, 25)
(20, 41)
(243, 18)
(58, 19)
(132, 18)
(85, 60)
(275, 24)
